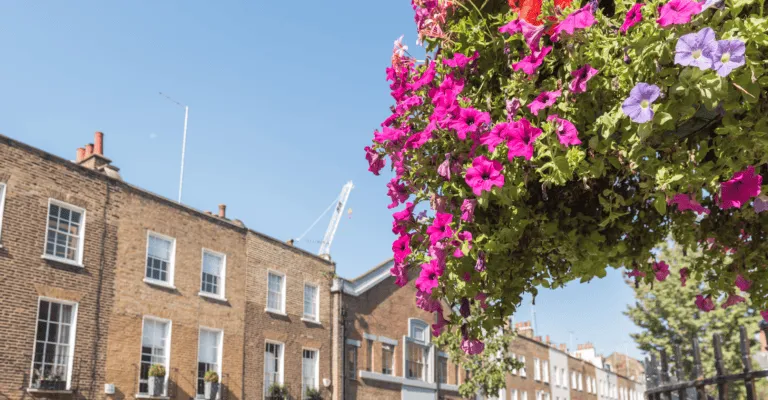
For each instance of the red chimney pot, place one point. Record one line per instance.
(80, 154)
(222, 210)
(98, 141)
(88, 150)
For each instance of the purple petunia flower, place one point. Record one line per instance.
(695, 49)
(638, 105)
(727, 56)
(761, 204)
(634, 15)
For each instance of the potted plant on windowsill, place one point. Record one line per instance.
(277, 392)
(156, 380)
(52, 382)
(211, 379)
(313, 394)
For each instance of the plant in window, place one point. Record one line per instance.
(277, 392)
(156, 379)
(313, 394)
(211, 380)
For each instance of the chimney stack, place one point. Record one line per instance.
(290, 242)
(222, 211)
(537, 338)
(98, 143)
(80, 154)
(88, 150)
(563, 348)
(548, 341)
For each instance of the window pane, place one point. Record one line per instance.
(52, 347)
(310, 301)
(153, 350)
(275, 292)
(308, 371)
(272, 371)
(64, 230)
(387, 354)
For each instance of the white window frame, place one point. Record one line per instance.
(427, 375)
(3, 191)
(283, 289)
(524, 395)
(514, 357)
(581, 382)
(513, 394)
(81, 235)
(545, 371)
(523, 371)
(536, 369)
(309, 318)
(171, 262)
(392, 364)
(167, 349)
(220, 355)
(281, 373)
(317, 369)
(72, 335)
(222, 275)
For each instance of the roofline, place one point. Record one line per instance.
(365, 282)
(98, 175)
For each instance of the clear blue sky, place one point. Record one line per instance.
(283, 97)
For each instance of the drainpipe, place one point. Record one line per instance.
(436, 363)
(343, 321)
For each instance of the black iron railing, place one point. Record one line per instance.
(663, 386)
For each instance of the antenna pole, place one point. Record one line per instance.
(183, 150)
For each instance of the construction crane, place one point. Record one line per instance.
(338, 205)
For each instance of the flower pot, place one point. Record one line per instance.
(211, 390)
(52, 384)
(156, 384)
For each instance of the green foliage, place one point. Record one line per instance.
(277, 391)
(665, 321)
(157, 370)
(313, 394)
(211, 376)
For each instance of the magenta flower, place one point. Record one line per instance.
(407, 103)
(401, 248)
(705, 303)
(727, 56)
(425, 79)
(440, 228)
(638, 105)
(460, 60)
(464, 307)
(496, 136)
(472, 346)
(444, 169)
(467, 276)
(397, 192)
(579, 19)
(400, 273)
(742, 283)
(512, 27)
(580, 78)
(764, 314)
(522, 136)
(696, 49)
(566, 131)
(463, 236)
(480, 264)
(531, 33)
(743, 186)
(402, 219)
(481, 297)
(686, 202)
(425, 302)
(375, 160)
(427, 280)
(761, 204)
(483, 175)
(529, 64)
(634, 15)
(543, 100)
(661, 270)
(388, 134)
(468, 210)
(437, 328)
(469, 121)
(732, 300)
(512, 107)
(678, 12)
(418, 139)
(636, 273)
(684, 273)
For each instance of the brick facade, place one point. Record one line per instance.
(525, 381)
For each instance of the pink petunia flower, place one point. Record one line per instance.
(483, 175)
(397, 192)
(580, 78)
(402, 219)
(496, 136)
(469, 121)
(428, 278)
(522, 136)
(566, 131)
(440, 228)
(531, 33)
(742, 283)
(686, 202)
(460, 60)
(764, 314)
(388, 134)
(543, 100)
(480, 264)
(467, 277)
(481, 297)
(743, 186)
(636, 273)
(661, 270)
(579, 19)
(705, 303)
(634, 15)
(400, 273)
(418, 139)
(732, 300)
(437, 328)
(512, 107)
(463, 236)
(761, 204)
(511, 27)
(472, 346)
(468, 210)
(402, 248)
(530, 63)
(684, 273)
(444, 169)
(425, 302)
(678, 12)
(425, 79)
(375, 160)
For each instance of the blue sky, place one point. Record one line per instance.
(283, 97)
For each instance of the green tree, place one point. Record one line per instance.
(667, 317)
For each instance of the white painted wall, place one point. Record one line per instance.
(558, 361)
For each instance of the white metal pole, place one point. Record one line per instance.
(183, 150)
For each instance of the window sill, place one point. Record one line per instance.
(212, 296)
(161, 284)
(48, 391)
(62, 260)
(311, 321)
(276, 312)
(149, 396)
